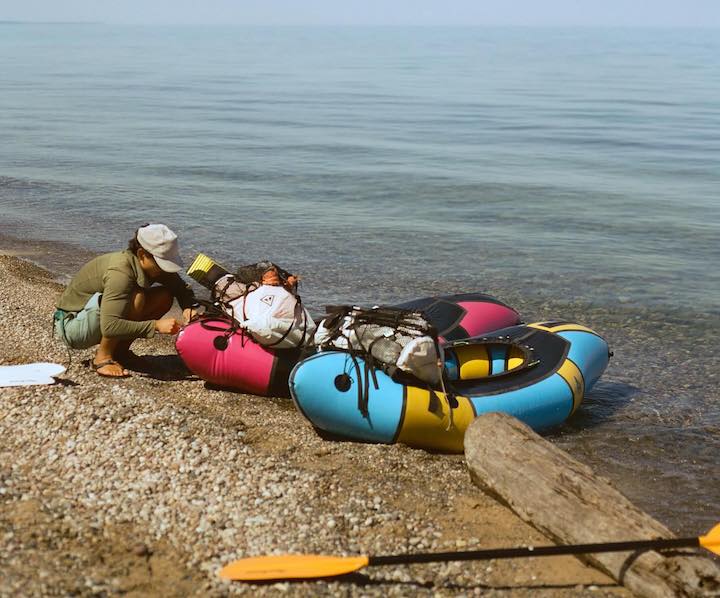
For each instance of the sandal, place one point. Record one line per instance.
(98, 366)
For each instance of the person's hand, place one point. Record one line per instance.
(189, 313)
(167, 326)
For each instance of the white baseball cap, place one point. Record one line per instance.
(162, 244)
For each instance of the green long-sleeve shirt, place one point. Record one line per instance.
(116, 276)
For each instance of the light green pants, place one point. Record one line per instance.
(80, 329)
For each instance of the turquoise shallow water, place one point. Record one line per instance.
(573, 173)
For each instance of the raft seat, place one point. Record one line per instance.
(478, 361)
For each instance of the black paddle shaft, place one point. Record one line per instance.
(529, 551)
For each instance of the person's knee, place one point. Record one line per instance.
(164, 301)
(138, 303)
(150, 303)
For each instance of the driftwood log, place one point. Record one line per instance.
(567, 502)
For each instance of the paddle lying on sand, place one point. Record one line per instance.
(308, 566)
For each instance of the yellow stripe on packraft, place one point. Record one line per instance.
(425, 421)
(562, 328)
(573, 376)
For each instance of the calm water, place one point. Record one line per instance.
(573, 173)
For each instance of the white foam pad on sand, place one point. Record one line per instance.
(29, 374)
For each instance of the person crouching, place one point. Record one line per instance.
(118, 297)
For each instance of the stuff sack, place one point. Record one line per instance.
(392, 338)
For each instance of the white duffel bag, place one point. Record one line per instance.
(272, 315)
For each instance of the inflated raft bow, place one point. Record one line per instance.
(538, 373)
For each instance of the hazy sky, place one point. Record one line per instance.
(704, 13)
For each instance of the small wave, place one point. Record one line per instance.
(16, 184)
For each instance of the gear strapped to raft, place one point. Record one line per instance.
(401, 342)
(272, 314)
(208, 273)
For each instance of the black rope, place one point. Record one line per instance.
(362, 398)
(64, 336)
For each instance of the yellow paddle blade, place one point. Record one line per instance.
(711, 541)
(291, 566)
(200, 267)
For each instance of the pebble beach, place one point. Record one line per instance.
(148, 485)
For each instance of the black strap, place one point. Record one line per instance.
(292, 324)
(284, 336)
(59, 316)
(362, 397)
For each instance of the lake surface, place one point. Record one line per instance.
(572, 173)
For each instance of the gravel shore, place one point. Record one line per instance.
(147, 486)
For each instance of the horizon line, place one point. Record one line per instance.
(388, 25)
